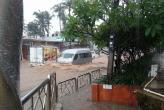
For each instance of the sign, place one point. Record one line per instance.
(106, 86)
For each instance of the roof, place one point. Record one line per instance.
(80, 50)
(48, 39)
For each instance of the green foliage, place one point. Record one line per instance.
(81, 25)
(132, 74)
(60, 10)
(33, 29)
(130, 21)
(70, 30)
(101, 37)
(137, 26)
(43, 19)
(153, 10)
(103, 80)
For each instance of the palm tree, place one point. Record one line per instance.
(43, 19)
(68, 5)
(10, 37)
(40, 20)
(60, 10)
(47, 18)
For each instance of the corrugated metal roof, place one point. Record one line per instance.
(48, 39)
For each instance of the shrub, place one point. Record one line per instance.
(132, 74)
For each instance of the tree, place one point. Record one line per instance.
(129, 31)
(43, 21)
(137, 26)
(60, 10)
(81, 24)
(11, 26)
(33, 29)
(47, 20)
(68, 4)
(153, 21)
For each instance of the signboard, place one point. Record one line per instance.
(36, 55)
(106, 86)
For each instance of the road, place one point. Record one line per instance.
(32, 76)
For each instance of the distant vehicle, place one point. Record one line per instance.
(76, 56)
(94, 54)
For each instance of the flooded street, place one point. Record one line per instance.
(31, 76)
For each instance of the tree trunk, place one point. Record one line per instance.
(60, 25)
(11, 25)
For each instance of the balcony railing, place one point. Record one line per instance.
(67, 87)
(83, 80)
(43, 97)
(46, 94)
(74, 84)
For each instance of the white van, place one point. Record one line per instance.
(76, 56)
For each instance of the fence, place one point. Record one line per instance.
(67, 87)
(43, 97)
(46, 94)
(83, 80)
(74, 84)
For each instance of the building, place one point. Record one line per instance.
(56, 41)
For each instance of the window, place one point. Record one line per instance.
(67, 55)
(82, 55)
(85, 55)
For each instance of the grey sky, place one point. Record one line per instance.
(31, 6)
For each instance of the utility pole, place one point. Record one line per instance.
(110, 57)
(111, 46)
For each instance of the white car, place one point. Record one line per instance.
(76, 56)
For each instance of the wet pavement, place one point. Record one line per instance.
(81, 100)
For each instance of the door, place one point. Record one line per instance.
(36, 55)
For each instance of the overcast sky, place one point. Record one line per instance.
(30, 6)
